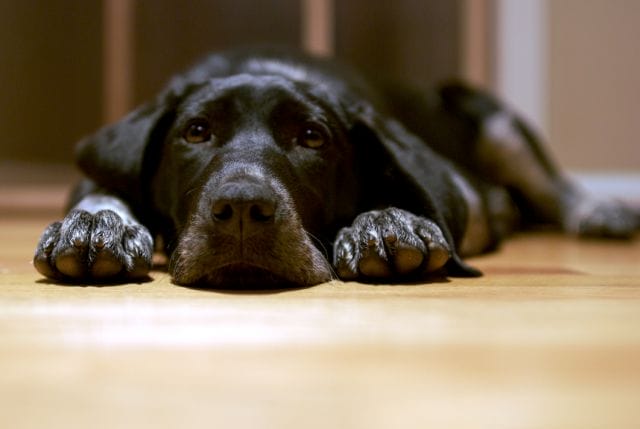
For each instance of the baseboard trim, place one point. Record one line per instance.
(622, 185)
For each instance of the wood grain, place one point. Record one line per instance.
(548, 338)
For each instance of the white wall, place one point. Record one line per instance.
(521, 66)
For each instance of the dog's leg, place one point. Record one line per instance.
(508, 153)
(98, 240)
(511, 155)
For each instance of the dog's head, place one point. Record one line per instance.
(245, 174)
(252, 170)
(247, 169)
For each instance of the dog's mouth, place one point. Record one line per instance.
(279, 255)
(243, 276)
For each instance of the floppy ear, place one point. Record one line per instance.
(114, 157)
(411, 176)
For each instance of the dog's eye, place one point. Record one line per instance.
(197, 132)
(312, 137)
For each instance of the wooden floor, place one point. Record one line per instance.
(548, 338)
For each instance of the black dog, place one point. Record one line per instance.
(257, 168)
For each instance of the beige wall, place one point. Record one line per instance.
(594, 83)
(51, 65)
(50, 77)
(51, 54)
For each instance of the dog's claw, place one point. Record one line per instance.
(407, 259)
(373, 265)
(438, 257)
(390, 243)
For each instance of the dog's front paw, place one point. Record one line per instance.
(390, 243)
(93, 248)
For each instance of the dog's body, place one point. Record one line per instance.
(258, 168)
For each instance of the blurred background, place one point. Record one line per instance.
(572, 67)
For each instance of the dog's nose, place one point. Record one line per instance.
(243, 207)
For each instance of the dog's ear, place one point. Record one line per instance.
(405, 170)
(114, 156)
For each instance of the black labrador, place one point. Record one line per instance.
(258, 168)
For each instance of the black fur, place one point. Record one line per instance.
(258, 168)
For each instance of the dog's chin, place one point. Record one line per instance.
(243, 276)
(288, 260)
